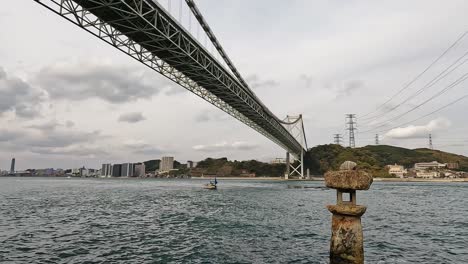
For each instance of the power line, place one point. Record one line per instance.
(450, 86)
(424, 116)
(419, 75)
(431, 83)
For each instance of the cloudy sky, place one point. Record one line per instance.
(68, 99)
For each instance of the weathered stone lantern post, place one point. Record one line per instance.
(346, 245)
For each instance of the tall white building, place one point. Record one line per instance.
(167, 164)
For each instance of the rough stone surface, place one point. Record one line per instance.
(348, 180)
(346, 244)
(344, 209)
(348, 165)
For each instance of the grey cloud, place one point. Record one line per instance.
(142, 147)
(254, 82)
(203, 117)
(133, 117)
(69, 123)
(213, 115)
(47, 139)
(349, 88)
(48, 126)
(307, 80)
(2, 73)
(82, 81)
(63, 138)
(149, 151)
(18, 96)
(51, 125)
(419, 131)
(8, 135)
(73, 151)
(174, 89)
(225, 146)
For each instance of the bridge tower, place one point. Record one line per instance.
(295, 127)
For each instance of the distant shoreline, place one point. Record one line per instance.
(322, 179)
(420, 180)
(263, 178)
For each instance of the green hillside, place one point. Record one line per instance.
(225, 167)
(374, 158)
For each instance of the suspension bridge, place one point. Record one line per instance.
(147, 31)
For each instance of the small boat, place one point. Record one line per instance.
(212, 185)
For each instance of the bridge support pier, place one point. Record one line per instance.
(291, 169)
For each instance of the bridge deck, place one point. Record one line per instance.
(148, 24)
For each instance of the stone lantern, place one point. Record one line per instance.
(346, 244)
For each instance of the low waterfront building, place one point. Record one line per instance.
(429, 165)
(427, 174)
(189, 164)
(453, 165)
(397, 170)
(76, 171)
(278, 161)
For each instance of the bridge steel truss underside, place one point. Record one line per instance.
(145, 31)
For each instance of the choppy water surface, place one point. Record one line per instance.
(49, 220)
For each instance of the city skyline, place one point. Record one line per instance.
(44, 123)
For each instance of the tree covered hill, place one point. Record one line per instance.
(322, 158)
(374, 158)
(225, 167)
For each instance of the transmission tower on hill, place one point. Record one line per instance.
(337, 138)
(351, 127)
(376, 139)
(430, 142)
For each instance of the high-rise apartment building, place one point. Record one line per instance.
(127, 170)
(106, 169)
(12, 168)
(116, 170)
(167, 164)
(140, 170)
